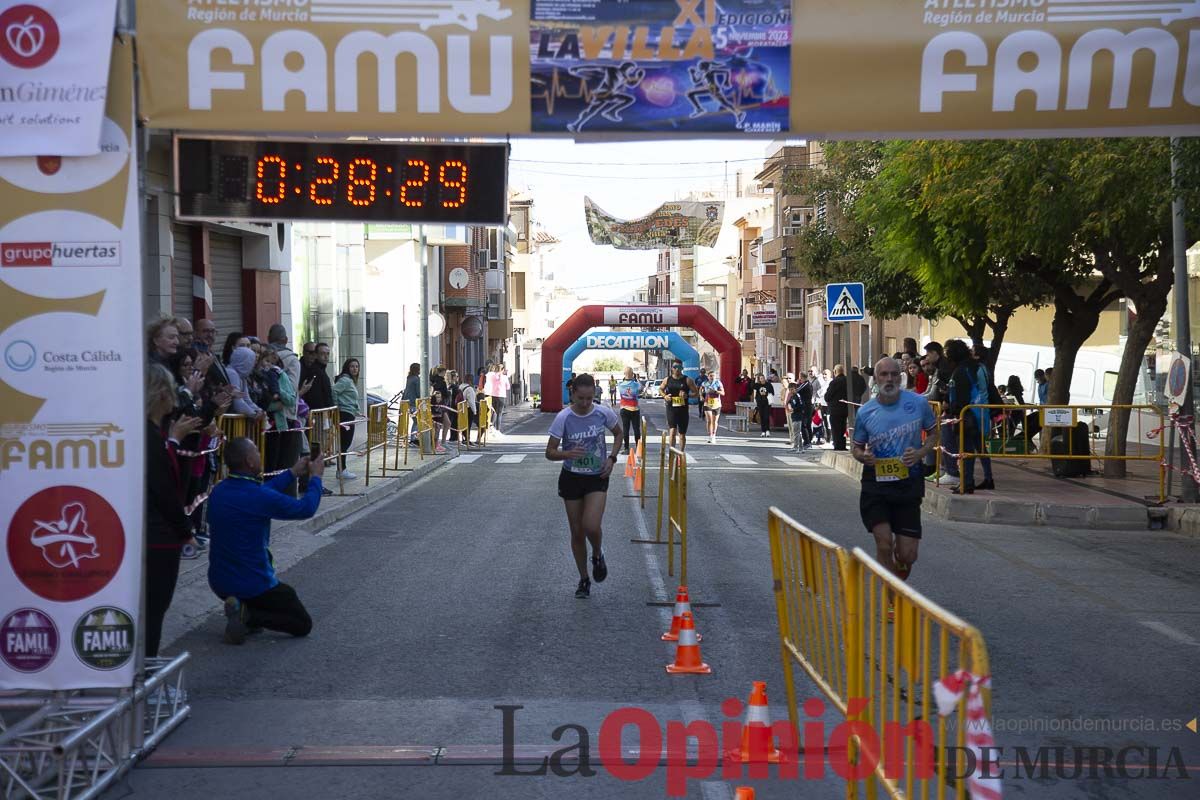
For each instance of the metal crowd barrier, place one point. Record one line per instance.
(425, 424)
(677, 521)
(895, 667)
(485, 419)
(996, 440)
(403, 413)
(809, 573)
(463, 424)
(880, 652)
(235, 426)
(377, 439)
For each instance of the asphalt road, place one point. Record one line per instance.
(456, 596)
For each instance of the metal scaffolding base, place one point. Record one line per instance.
(73, 745)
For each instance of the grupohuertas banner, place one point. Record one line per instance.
(71, 422)
(682, 224)
(336, 66)
(676, 66)
(971, 68)
(53, 61)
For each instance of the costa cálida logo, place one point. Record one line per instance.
(28, 36)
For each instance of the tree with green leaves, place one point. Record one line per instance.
(611, 364)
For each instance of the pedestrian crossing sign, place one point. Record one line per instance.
(845, 302)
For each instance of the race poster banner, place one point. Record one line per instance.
(335, 66)
(54, 58)
(969, 68)
(72, 425)
(679, 224)
(660, 66)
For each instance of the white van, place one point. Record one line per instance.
(1093, 381)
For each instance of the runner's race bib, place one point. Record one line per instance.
(588, 464)
(714, 402)
(677, 400)
(890, 469)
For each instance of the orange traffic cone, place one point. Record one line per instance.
(744, 793)
(639, 471)
(682, 606)
(757, 742)
(687, 652)
(629, 462)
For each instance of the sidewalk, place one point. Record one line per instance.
(291, 542)
(1027, 493)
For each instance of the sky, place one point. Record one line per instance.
(626, 179)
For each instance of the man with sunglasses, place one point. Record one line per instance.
(676, 388)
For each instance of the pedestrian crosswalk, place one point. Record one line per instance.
(704, 461)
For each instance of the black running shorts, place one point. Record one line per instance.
(902, 513)
(677, 417)
(573, 486)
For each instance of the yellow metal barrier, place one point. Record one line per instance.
(377, 422)
(424, 423)
(402, 427)
(662, 485)
(463, 424)
(876, 648)
(809, 574)
(1059, 416)
(677, 514)
(485, 419)
(894, 667)
(236, 426)
(323, 431)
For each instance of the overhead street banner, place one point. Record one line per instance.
(71, 444)
(681, 224)
(335, 66)
(54, 58)
(870, 68)
(660, 66)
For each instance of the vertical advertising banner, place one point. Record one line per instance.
(53, 65)
(71, 416)
(660, 66)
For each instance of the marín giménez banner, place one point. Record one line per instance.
(660, 65)
(681, 224)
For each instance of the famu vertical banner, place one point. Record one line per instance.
(71, 420)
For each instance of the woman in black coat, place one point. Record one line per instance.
(167, 525)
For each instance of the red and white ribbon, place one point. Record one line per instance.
(948, 691)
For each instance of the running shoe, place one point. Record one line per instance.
(189, 552)
(584, 589)
(235, 626)
(599, 568)
(441, 451)
(347, 475)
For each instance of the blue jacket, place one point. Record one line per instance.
(240, 511)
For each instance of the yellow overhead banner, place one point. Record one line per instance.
(914, 68)
(335, 66)
(861, 68)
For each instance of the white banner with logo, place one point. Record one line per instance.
(71, 420)
(54, 57)
(641, 315)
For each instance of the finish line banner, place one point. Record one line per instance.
(867, 69)
(72, 425)
(676, 66)
(682, 224)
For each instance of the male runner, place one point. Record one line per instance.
(887, 441)
(676, 388)
(583, 482)
(612, 390)
(713, 391)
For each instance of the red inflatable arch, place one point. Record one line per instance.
(684, 316)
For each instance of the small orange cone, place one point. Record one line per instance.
(687, 651)
(744, 793)
(639, 471)
(629, 462)
(682, 605)
(757, 741)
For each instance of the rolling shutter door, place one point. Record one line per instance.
(181, 271)
(226, 254)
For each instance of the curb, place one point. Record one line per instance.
(1007, 511)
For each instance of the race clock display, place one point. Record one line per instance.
(264, 181)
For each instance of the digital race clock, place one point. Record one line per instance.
(257, 180)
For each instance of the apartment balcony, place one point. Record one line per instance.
(773, 249)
